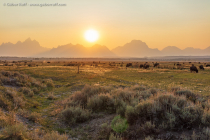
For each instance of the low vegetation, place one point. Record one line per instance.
(148, 112)
(103, 101)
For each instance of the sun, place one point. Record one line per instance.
(91, 35)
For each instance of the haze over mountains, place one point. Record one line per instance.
(71, 50)
(136, 48)
(22, 49)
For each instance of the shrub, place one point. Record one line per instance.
(54, 136)
(119, 124)
(17, 131)
(35, 90)
(49, 83)
(104, 131)
(23, 113)
(5, 80)
(175, 89)
(113, 137)
(138, 87)
(122, 94)
(181, 102)
(1, 83)
(18, 102)
(206, 133)
(11, 93)
(166, 99)
(34, 117)
(25, 90)
(89, 91)
(36, 84)
(16, 74)
(144, 109)
(4, 103)
(3, 119)
(43, 86)
(31, 94)
(170, 120)
(191, 115)
(130, 114)
(147, 128)
(75, 115)
(78, 98)
(6, 73)
(101, 103)
(189, 95)
(51, 96)
(145, 94)
(206, 117)
(153, 91)
(120, 106)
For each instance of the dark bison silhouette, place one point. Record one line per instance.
(201, 67)
(178, 64)
(156, 64)
(141, 66)
(193, 68)
(146, 66)
(129, 64)
(208, 65)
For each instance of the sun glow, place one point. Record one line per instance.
(91, 35)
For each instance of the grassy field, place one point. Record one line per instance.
(55, 100)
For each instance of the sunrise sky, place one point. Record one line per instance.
(159, 23)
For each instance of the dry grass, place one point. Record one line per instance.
(152, 100)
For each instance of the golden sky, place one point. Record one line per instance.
(159, 23)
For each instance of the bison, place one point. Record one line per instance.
(178, 64)
(146, 66)
(129, 64)
(193, 68)
(201, 67)
(208, 65)
(141, 66)
(156, 64)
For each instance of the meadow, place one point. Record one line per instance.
(103, 100)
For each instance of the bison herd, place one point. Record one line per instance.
(193, 68)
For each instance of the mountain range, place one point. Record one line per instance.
(78, 50)
(135, 48)
(22, 49)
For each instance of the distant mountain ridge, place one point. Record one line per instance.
(135, 48)
(22, 49)
(78, 50)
